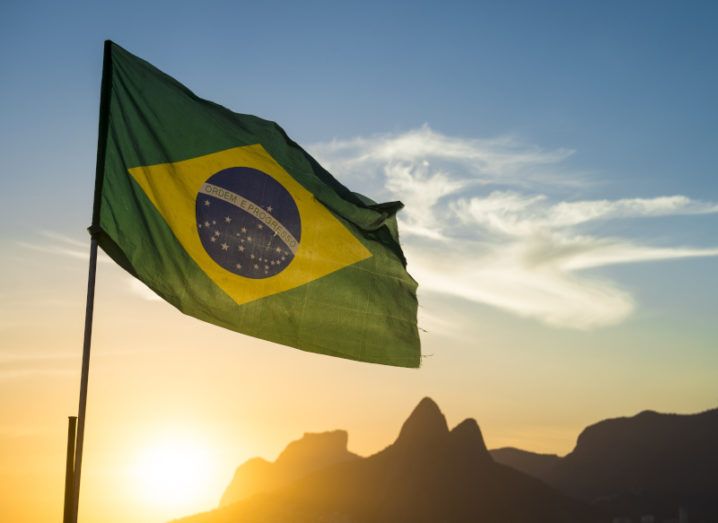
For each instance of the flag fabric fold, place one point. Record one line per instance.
(232, 222)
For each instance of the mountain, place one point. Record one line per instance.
(650, 463)
(430, 474)
(531, 463)
(305, 455)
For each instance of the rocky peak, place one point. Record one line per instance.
(466, 439)
(311, 452)
(425, 425)
(316, 447)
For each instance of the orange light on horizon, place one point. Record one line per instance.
(174, 475)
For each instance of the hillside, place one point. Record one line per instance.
(429, 474)
(650, 463)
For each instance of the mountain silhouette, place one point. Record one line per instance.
(650, 463)
(425, 425)
(533, 464)
(305, 455)
(430, 474)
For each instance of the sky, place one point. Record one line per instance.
(557, 162)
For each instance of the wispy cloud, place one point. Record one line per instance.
(33, 363)
(514, 213)
(482, 222)
(502, 160)
(485, 221)
(54, 243)
(141, 290)
(51, 242)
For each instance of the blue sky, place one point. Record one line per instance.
(629, 86)
(557, 161)
(550, 107)
(605, 111)
(611, 101)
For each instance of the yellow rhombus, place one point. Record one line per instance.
(326, 245)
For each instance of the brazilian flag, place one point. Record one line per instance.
(229, 220)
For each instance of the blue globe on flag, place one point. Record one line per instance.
(248, 222)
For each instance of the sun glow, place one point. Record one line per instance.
(175, 475)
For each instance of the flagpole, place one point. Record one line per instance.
(90, 303)
(70, 469)
(85, 375)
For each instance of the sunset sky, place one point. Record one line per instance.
(558, 165)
